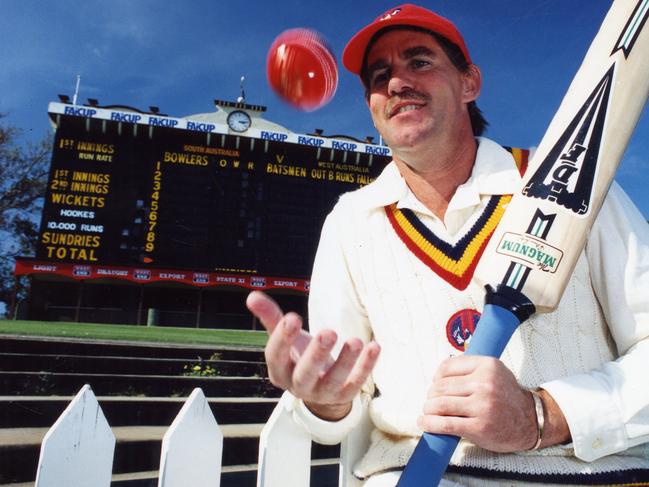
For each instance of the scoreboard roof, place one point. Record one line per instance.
(200, 125)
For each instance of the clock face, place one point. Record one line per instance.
(239, 121)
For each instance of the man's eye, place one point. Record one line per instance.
(379, 78)
(419, 63)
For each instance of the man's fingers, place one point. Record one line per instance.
(338, 375)
(463, 365)
(451, 386)
(278, 350)
(449, 406)
(446, 425)
(265, 308)
(301, 363)
(314, 362)
(362, 368)
(299, 345)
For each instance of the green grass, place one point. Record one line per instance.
(134, 333)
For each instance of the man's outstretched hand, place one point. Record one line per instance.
(302, 364)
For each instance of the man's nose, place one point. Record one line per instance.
(399, 82)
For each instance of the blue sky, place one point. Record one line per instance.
(182, 55)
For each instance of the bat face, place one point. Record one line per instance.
(538, 241)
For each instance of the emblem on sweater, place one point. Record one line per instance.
(460, 328)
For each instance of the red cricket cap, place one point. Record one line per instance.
(406, 14)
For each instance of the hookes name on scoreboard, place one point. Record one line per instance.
(187, 124)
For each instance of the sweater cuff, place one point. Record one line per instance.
(596, 424)
(323, 431)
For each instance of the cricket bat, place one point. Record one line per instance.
(533, 252)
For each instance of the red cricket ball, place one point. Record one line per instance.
(302, 69)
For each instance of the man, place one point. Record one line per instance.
(392, 298)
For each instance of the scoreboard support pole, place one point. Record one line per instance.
(140, 307)
(14, 298)
(199, 307)
(77, 309)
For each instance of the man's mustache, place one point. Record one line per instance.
(404, 96)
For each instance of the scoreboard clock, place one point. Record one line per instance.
(239, 121)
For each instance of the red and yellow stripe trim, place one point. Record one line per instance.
(453, 263)
(521, 157)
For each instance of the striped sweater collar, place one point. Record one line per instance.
(494, 173)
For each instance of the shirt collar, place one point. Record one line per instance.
(494, 172)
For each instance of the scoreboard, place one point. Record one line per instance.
(130, 192)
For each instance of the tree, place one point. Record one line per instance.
(24, 167)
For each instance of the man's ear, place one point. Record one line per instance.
(472, 81)
(367, 102)
(367, 98)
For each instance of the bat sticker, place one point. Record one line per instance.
(530, 250)
(567, 174)
(632, 29)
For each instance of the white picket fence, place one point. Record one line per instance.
(77, 451)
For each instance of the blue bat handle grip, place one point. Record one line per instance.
(504, 311)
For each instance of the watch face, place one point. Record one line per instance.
(239, 121)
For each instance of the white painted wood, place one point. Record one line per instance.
(353, 447)
(284, 450)
(192, 448)
(77, 451)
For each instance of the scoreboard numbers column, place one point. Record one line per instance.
(154, 207)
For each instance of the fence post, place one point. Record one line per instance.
(192, 447)
(284, 449)
(77, 451)
(353, 447)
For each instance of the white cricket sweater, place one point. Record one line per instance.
(591, 353)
